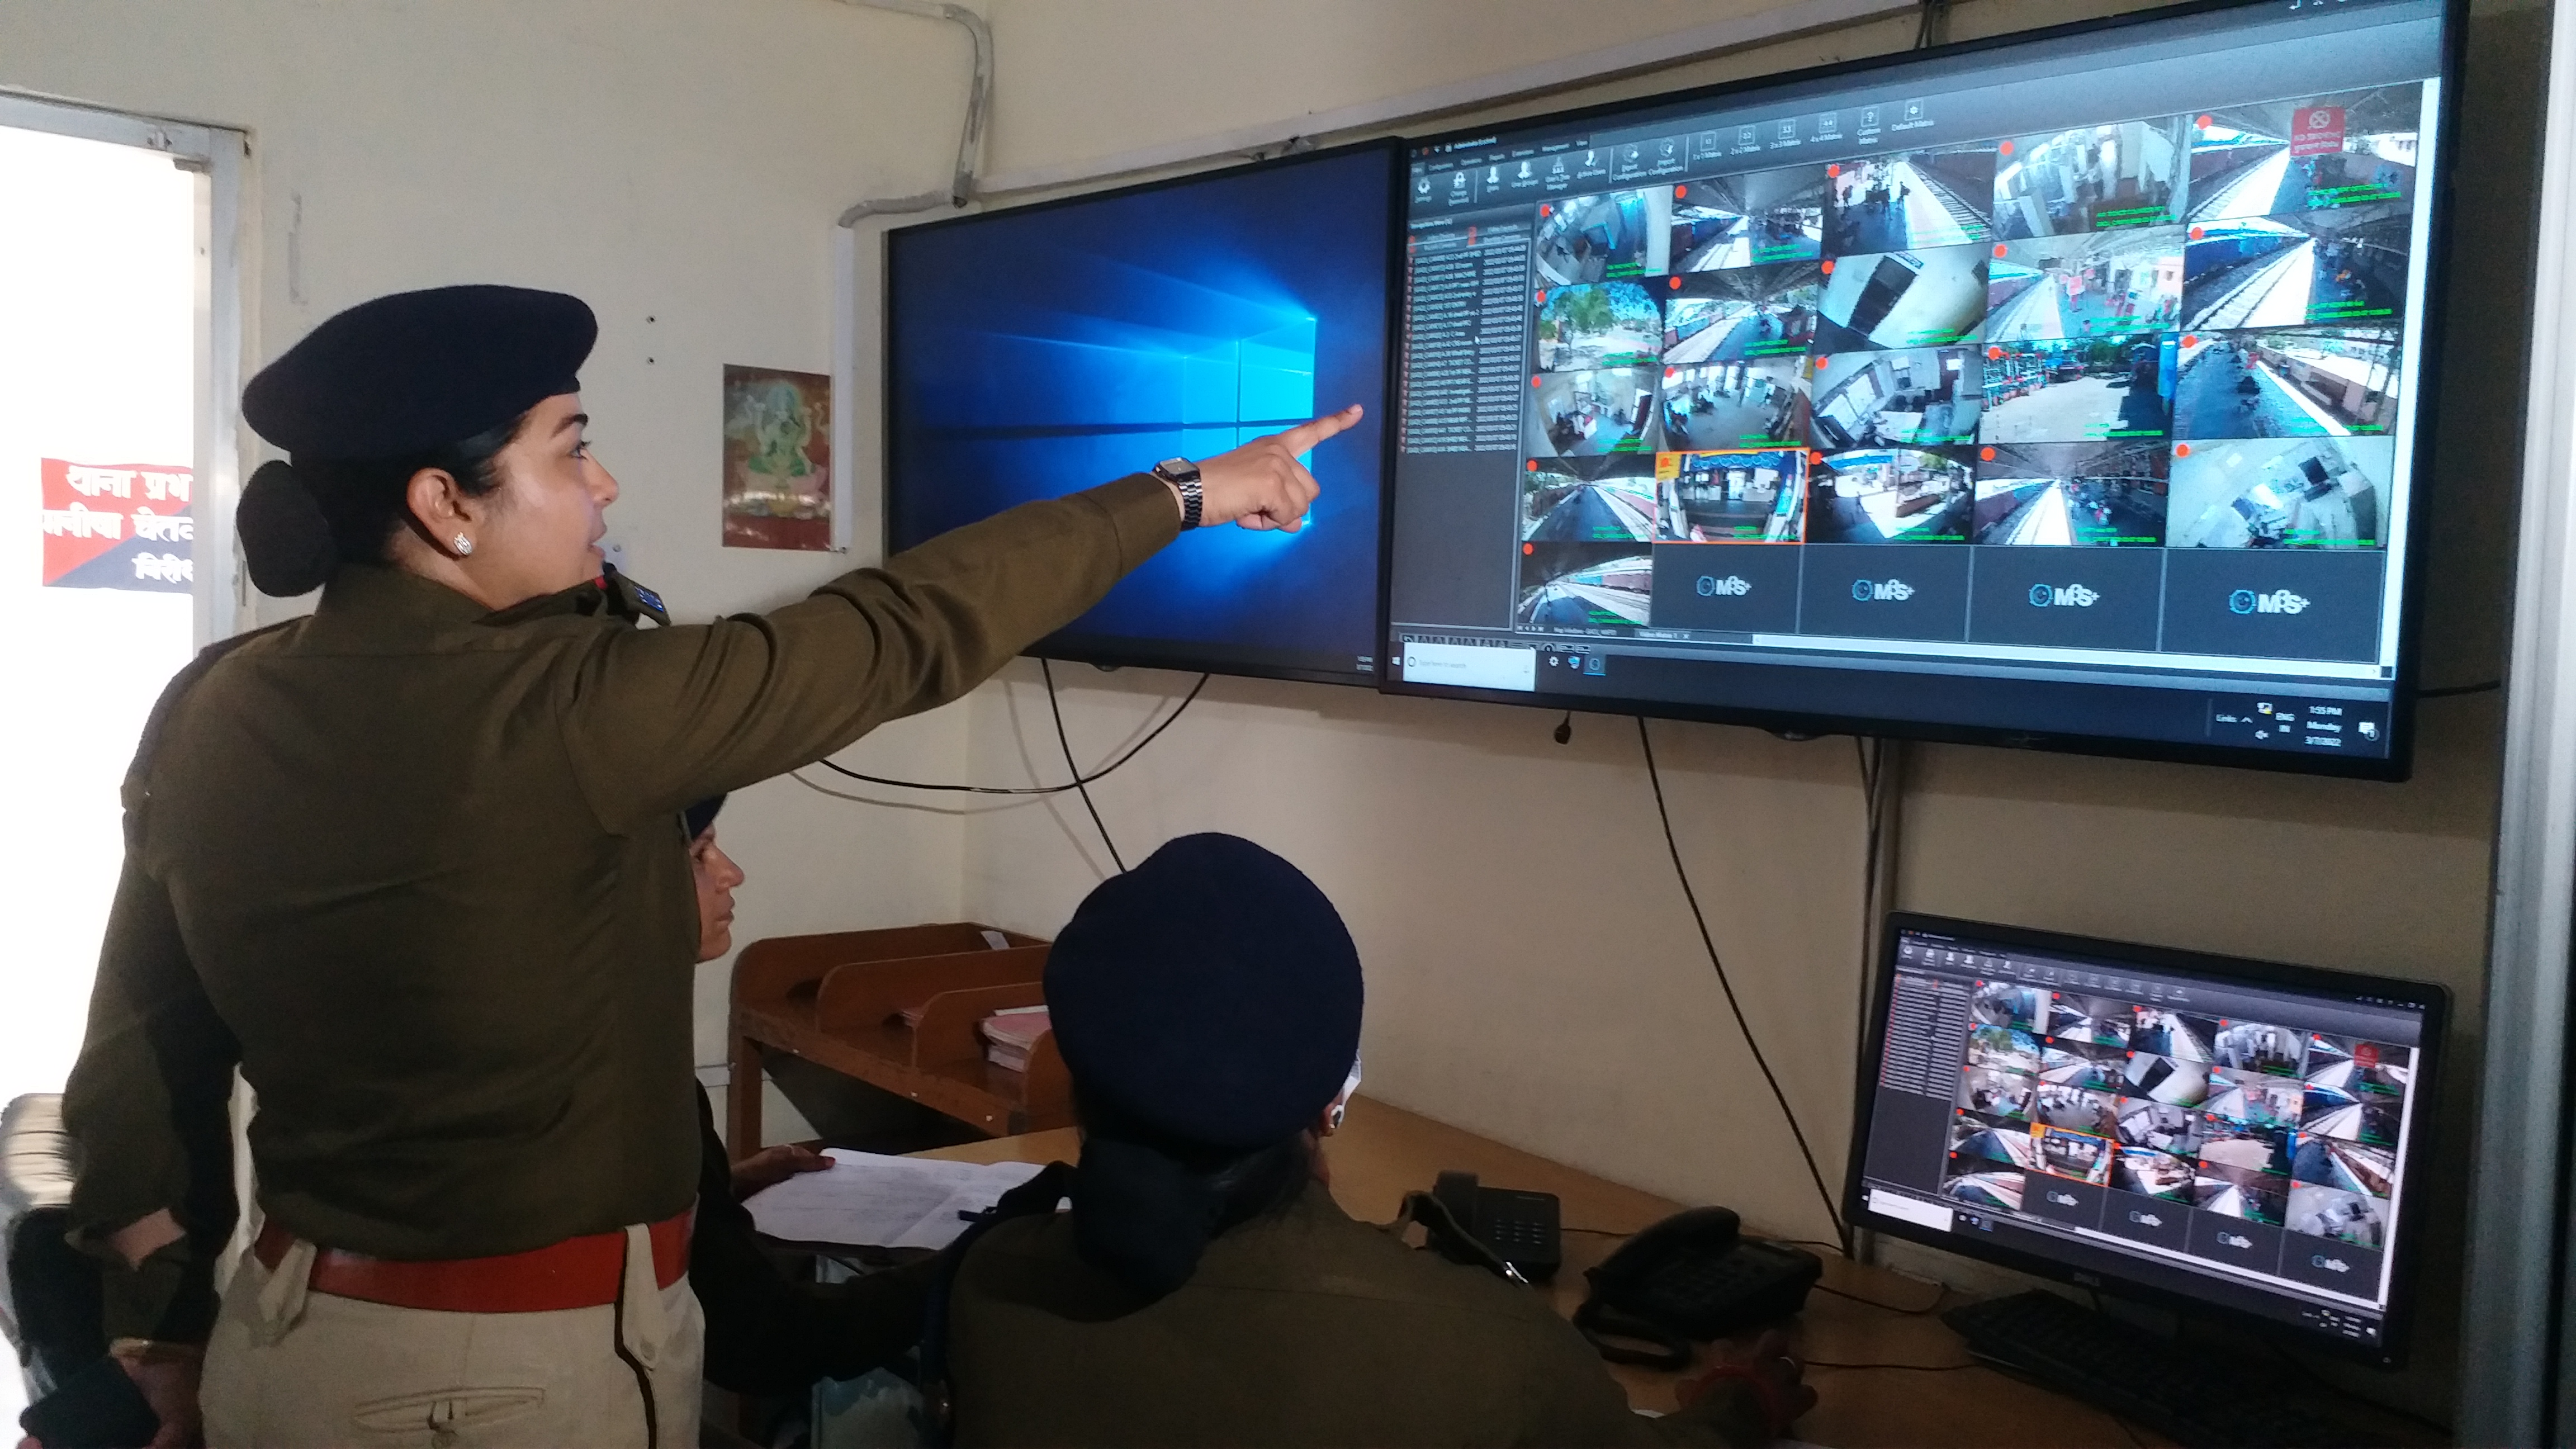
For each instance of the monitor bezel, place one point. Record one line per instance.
(1182, 656)
(2396, 766)
(2406, 1251)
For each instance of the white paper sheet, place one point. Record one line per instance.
(867, 1200)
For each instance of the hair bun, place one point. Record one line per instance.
(285, 539)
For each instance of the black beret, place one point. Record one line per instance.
(701, 817)
(1211, 994)
(419, 370)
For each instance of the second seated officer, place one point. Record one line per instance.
(415, 865)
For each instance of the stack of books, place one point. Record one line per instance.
(1011, 1034)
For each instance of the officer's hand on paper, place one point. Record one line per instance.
(1261, 484)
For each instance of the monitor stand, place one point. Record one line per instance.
(2193, 1399)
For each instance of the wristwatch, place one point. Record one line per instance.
(1183, 475)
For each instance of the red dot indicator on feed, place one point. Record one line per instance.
(2200, 233)
(1527, 549)
(1836, 169)
(2204, 123)
(1542, 296)
(1999, 249)
(1533, 379)
(1546, 210)
(1680, 191)
(2004, 148)
(1829, 268)
(1994, 354)
(2189, 340)
(1673, 282)
(1533, 465)
(1671, 372)
(1821, 361)
(2182, 450)
(1986, 455)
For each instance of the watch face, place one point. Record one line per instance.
(1181, 467)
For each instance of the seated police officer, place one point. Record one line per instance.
(1206, 1289)
(765, 1333)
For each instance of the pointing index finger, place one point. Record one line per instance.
(1308, 434)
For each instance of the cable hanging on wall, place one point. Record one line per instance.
(1663, 813)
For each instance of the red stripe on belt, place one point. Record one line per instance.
(583, 1272)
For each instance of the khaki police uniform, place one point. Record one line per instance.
(416, 870)
(1302, 1328)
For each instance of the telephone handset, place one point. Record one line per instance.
(1510, 1231)
(1691, 1278)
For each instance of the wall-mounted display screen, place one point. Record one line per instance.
(2060, 391)
(1038, 350)
(2225, 1132)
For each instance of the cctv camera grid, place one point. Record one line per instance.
(2222, 1117)
(2224, 1120)
(1731, 313)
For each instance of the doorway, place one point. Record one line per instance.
(112, 456)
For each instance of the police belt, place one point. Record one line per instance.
(582, 1272)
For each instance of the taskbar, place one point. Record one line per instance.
(2056, 706)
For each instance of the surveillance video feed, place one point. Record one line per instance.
(2001, 1003)
(1736, 404)
(2220, 1134)
(2150, 1173)
(1600, 238)
(1902, 299)
(1891, 495)
(2096, 1066)
(1749, 220)
(1756, 495)
(2093, 178)
(2045, 328)
(1742, 313)
(2064, 494)
(2165, 1079)
(2074, 1109)
(2288, 382)
(2168, 1033)
(2282, 271)
(1910, 202)
(1606, 499)
(2077, 1155)
(2085, 285)
(2099, 387)
(1992, 1092)
(2252, 1099)
(1585, 587)
(1605, 324)
(1582, 414)
(2313, 493)
(2280, 157)
(1918, 397)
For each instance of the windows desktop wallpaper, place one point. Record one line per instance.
(1034, 353)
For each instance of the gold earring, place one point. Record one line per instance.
(463, 544)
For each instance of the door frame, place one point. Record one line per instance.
(215, 155)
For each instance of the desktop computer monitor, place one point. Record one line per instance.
(2068, 390)
(1040, 349)
(2216, 1133)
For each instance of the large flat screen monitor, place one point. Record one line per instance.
(1038, 350)
(2068, 391)
(2220, 1133)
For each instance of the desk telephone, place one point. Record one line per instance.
(1691, 1278)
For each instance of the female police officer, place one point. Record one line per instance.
(413, 863)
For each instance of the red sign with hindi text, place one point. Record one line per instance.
(118, 526)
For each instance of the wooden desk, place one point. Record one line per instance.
(1383, 1152)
